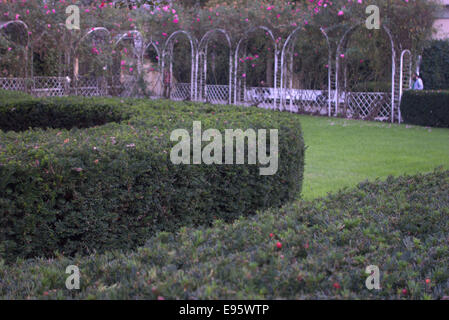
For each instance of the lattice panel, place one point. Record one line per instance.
(129, 85)
(16, 84)
(217, 94)
(369, 105)
(305, 101)
(119, 86)
(261, 97)
(89, 87)
(180, 91)
(49, 86)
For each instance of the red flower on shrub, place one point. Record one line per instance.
(279, 245)
(336, 285)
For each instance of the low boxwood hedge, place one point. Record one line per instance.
(426, 107)
(19, 113)
(307, 250)
(113, 185)
(10, 94)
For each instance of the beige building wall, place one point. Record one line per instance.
(441, 23)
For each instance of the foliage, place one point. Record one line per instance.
(10, 94)
(24, 113)
(113, 185)
(435, 65)
(426, 108)
(373, 86)
(400, 225)
(51, 41)
(409, 21)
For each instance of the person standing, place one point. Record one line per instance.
(417, 82)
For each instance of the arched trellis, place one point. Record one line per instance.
(237, 87)
(91, 32)
(158, 82)
(129, 82)
(240, 90)
(202, 74)
(28, 68)
(405, 76)
(167, 58)
(288, 48)
(152, 44)
(89, 86)
(342, 43)
(138, 45)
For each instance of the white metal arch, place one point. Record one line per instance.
(151, 43)
(291, 37)
(92, 31)
(4, 25)
(154, 45)
(346, 36)
(137, 51)
(202, 56)
(401, 78)
(276, 54)
(87, 34)
(168, 50)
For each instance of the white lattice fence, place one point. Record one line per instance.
(262, 97)
(129, 85)
(369, 105)
(308, 101)
(89, 87)
(49, 86)
(180, 91)
(119, 86)
(217, 94)
(15, 84)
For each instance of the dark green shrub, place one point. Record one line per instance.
(426, 108)
(113, 186)
(435, 65)
(373, 86)
(401, 225)
(19, 113)
(10, 94)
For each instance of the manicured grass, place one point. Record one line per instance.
(342, 153)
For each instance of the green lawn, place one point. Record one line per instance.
(342, 152)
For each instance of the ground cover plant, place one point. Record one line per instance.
(306, 250)
(113, 185)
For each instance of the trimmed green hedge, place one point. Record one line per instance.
(10, 94)
(113, 186)
(21, 113)
(435, 65)
(373, 86)
(426, 108)
(401, 225)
